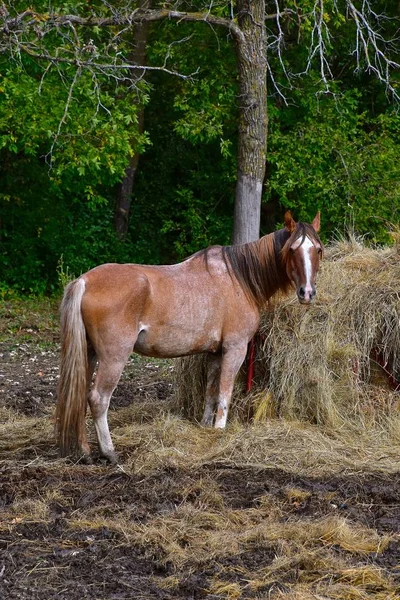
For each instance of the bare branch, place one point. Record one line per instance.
(49, 156)
(24, 33)
(112, 68)
(276, 43)
(320, 37)
(29, 18)
(371, 47)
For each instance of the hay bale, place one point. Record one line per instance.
(329, 363)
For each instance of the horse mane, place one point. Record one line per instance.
(257, 267)
(260, 266)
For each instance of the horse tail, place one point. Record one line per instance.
(72, 386)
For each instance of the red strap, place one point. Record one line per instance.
(251, 359)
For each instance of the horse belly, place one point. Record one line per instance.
(167, 341)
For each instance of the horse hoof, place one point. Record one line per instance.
(86, 459)
(112, 457)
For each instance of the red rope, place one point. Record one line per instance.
(251, 360)
(378, 358)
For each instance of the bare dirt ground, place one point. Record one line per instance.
(189, 529)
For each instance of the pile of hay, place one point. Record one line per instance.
(335, 363)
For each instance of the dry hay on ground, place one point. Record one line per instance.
(277, 510)
(250, 513)
(332, 364)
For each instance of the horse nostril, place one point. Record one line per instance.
(302, 292)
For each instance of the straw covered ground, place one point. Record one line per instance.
(298, 499)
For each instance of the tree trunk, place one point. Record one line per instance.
(125, 188)
(252, 145)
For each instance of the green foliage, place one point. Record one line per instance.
(64, 144)
(82, 136)
(183, 194)
(325, 152)
(64, 274)
(66, 136)
(184, 189)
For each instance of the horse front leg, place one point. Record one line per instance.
(212, 389)
(233, 356)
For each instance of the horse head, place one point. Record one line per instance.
(302, 254)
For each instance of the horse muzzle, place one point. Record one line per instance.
(306, 294)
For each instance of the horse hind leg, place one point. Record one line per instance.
(107, 377)
(83, 441)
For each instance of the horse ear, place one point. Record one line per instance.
(317, 222)
(290, 223)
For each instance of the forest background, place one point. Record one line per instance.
(80, 121)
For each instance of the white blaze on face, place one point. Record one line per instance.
(305, 249)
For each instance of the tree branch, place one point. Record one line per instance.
(101, 67)
(369, 43)
(29, 18)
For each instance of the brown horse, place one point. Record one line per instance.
(209, 303)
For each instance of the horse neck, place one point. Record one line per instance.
(271, 245)
(259, 268)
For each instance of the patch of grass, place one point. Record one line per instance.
(29, 319)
